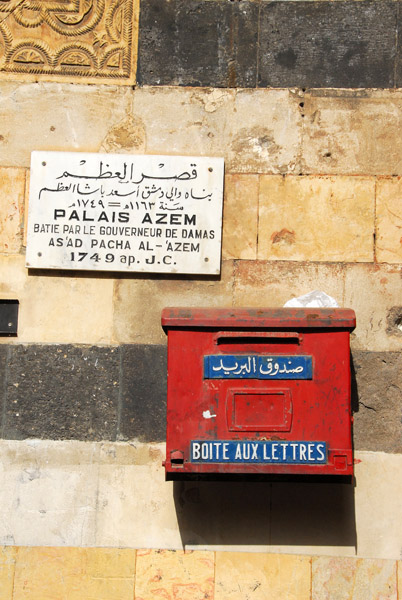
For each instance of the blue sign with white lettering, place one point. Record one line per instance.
(280, 452)
(257, 366)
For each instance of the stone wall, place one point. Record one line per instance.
(303, 101)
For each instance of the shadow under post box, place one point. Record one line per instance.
(263, 513)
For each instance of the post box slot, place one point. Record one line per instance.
(263, 337)
(259, 410)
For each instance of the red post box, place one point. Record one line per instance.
(258, 391)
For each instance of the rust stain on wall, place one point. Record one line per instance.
(284, 236)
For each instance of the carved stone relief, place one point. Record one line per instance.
(68, 39)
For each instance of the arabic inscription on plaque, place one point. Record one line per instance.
(109, 212)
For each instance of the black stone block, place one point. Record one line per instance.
(62, 392)
(377, 401)
(143, 393)
(398, 70)
(3, 384)
(198, 43)
(327, 44)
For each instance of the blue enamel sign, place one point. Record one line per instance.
(257, 366)
(280, 452)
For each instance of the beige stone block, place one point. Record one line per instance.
(352, 132)
(139, 301)
(26, 206)
(7, 568)
(12, 190)
(136, 507)
(132, 453)
(389, 220)
(372, 291)
(353, 579)
(174, 574)
(316, 218)
(110, 573)
(378, 505)
(60, 117)
(240, 217)
(262, 576)
(184, 121)
(256, 131)
(265, 133)
(74, 573)
(57, 307)
(399, 572)
(48, 493)
(93, 42)
(70, 493)
(271, 284)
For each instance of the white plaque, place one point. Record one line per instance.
(114, 212)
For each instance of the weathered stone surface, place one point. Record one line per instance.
(378, 505)
(262, 576)
(377, 401)
(12, 189)
(26, 207)
(126, 136)
(373, 291)
(174, 574)
(139, 301)
(327, 44)
(48, 493)
(352, 132)
(265, 132)
(208, 43)
(7, 570)
(55, 307)
(93, 41)
(240, 217)
(56, 117)
(353, 579)
(320, 44)
(72, 493)
(271, 284)
(389, 220)
(135, 503)
(74, 573)
(192, 122)
(4, 354)
(398, 67)
(59, 392)
(316, 218)
(143, 393)
(256, 131)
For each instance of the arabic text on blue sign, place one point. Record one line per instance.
(257, 366)
(258, 452)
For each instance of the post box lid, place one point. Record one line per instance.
(235, 318)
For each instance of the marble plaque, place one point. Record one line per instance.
(110, 212)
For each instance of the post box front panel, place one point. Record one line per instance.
(259, 402)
